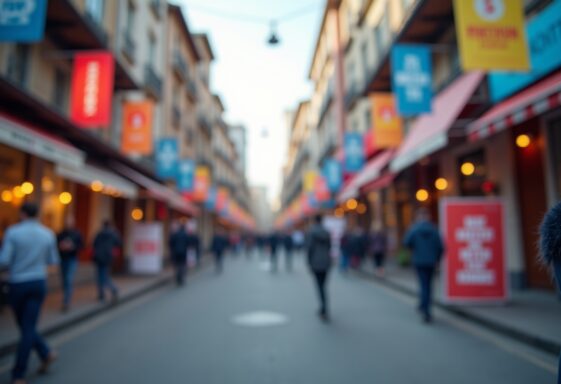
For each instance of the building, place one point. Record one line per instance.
(261, 209)
(238, 134)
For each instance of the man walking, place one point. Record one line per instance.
(218, 247)
(27, 250)
(179, 242)
(319, 261)
(69, 244)
(425, 242)
(273, 246)
(106, 242)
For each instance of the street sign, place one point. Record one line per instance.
(147, 248)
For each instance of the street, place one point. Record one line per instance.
(197, 334)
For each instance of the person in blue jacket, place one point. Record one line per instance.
(425, 243)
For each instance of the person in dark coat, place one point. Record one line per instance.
(378, 247)
(346, 250)
(425, 242)
(358, 246)
(550, 249)
(288, 250)
(179, 242)
(70, 242)
(273, 247)
(319, 261)
(218, 247)
(105, 244)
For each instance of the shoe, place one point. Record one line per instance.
(427, 319)
(45, 365)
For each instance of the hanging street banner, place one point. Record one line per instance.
(186, 176)
(387, 124)
(321, 191)
(353, 152)
(92, 89)
(310, 180)
(202, 184)
(545, 46)
(333, 174)
(137, 128)
(22, 21)
(167, 158)
(210, 202)
(474, 264)
(412, 78)
(222, 197)
(491, 35)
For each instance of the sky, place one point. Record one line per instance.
(259, 83)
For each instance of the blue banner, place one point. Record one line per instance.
(210, 202)
(22, 20)
(333, 174)
(544, 38)
(354, 152)
(412, 78)
(186, 175)
(167, 158)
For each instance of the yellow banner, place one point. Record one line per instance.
(309, 180)
(202, 183)
(387, 131)
(491, 35)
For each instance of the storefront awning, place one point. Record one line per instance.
(535, 100)
(87, 174)
(429, 133)
(158, 191)
(35, 142)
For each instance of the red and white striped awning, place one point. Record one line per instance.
(531, 102)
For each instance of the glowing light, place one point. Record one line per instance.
(27, 188)
(18, 193)
(361, 209)
(468, 169)
(441, 184)
(352, 204)
(422, 195)
(97, 186)
(137, 214)
(523, 141)
(47, 184)
(339, 212)
(65, 198)
(7, 196)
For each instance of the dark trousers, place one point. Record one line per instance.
(180, 271)
(67, 271)
(321, 278)
(379, 259)
(104, 281)
(26, 300)
(288, 255)
(218, 260)
(425, 275)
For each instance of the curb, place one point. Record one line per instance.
(548, 346)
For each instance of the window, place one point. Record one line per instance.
(364, 54)
(18, 64)
(60, 90)
(554, 139)
(95, 9)
(378, 41)
(368, 119)
(151, 49)
(473, 173)
(130, 19)
(351, 75)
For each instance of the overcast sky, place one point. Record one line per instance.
(258, 83)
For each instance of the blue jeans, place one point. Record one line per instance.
(68, 269)
(26, 300)
(425, 274)
(104, 281)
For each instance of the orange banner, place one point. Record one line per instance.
(137, 128)
(202, 184)
(387, 124)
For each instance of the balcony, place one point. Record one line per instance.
(152, 82)
(129, 46)
(176, 116)
(191, 90)
(179, 65)
(351, 96)
(156, 7)
(96, 27)
(205, 124)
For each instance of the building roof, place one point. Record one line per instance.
(176, 10)
(203, 38)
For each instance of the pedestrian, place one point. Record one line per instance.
(425, 242)
(319, 261)
(28, 248)
(218, 247)
(179, 243)
(273, 247)
(550, 250)
(70, 242)
(288, 250)
(358, 246)
(106, 243)
(377, 247)
(346, 250)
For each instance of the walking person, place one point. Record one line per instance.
(346, 250)
(377, 247)
(28, 248)
(319, 261)
(179, 242)
(70, 242)
(106, 243)
(425, 242)
(218, 247)
(288, 250)
(550, 250)
(273, 247)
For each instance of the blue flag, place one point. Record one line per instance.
(333, 174)
(167, 158)
(22, 20)
(186, 175)
(210, 202)
(354, 152)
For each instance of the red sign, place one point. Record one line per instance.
(321, 189)
(92, 89)
(475, 267)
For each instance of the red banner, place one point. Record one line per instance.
(92, 89)
(321, 189)
(475, 267)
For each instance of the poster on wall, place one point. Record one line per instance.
(146, 248)
(491, 35)
(474, 264)
(22, 21)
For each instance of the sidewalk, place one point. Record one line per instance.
(85, 305)
(531, 316)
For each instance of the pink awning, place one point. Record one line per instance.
(429, 133)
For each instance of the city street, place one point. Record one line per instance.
(199, 334)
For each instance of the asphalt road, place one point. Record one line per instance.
(192, 335)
